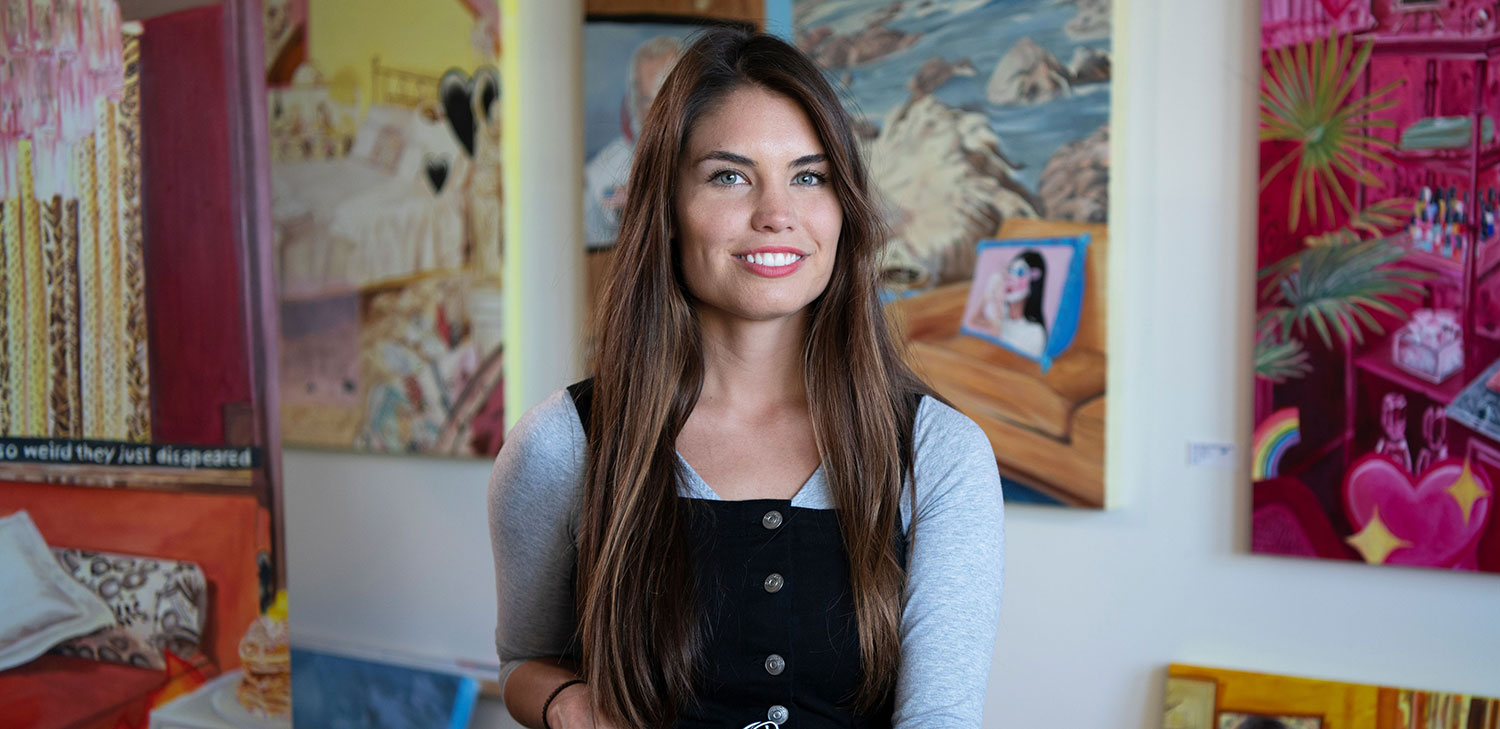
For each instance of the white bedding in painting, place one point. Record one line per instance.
(346, 224)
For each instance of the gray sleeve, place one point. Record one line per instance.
(534, 495)
(954, 577)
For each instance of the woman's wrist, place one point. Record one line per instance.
(569, 707)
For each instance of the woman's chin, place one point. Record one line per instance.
(757, 311)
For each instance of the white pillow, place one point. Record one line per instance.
(379, 117)
(40, 605)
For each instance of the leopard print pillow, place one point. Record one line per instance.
(159, 605)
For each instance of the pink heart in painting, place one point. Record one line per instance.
(1334, 7)
(1422, 524)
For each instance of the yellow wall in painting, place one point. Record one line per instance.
(427, 36)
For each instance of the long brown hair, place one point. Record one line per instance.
(639, 630)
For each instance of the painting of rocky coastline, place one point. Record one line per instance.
(983, 120)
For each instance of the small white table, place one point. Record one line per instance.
(196, 710)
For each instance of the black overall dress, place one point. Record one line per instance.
(781, 644)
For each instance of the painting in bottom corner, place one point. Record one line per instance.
(1215, 698)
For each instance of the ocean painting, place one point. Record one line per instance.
(982, 120)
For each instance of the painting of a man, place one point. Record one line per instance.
(608, 167)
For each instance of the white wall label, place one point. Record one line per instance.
(1210, 455)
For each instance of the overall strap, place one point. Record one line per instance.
(582, 393)
(907, 448)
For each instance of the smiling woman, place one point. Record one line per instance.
(754, 513)
(754, 209)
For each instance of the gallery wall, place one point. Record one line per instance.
(391, 555)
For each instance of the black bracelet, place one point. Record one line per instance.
(548, 703)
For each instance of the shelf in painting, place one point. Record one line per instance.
(1472, 48)
(1447, 266)
(1377, 362)
(1448, 160)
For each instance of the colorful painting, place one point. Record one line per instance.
(385, 147)
(1377, 337)
(1214, 698)
(139, 454)
(989, 119)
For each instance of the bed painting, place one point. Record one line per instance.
(386, 204)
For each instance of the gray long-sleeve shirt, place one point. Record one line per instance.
(955, 569)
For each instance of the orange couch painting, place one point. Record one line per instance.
(137, 318)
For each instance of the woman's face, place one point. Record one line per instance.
(1018, 279)
(758, 220)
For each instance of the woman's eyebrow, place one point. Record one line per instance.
(732, 158)
(729, 157)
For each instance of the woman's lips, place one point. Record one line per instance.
(771, 262)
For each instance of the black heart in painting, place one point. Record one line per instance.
(465, 98)
(437, 171)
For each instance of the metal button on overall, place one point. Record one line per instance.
(775, 664)
(774, 581)
(771, 520)
(777, 714)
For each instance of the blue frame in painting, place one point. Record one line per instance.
(1070, 305)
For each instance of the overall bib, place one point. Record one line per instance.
(780, 638)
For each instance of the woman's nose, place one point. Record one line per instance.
(774, 212)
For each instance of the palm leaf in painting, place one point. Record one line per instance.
(1279, 361)
(1307, 98)
(1374, 221)
(1336, 290)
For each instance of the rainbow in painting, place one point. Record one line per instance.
(1273, 438)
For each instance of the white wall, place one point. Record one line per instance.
(393, 553)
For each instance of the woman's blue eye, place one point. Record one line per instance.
(810, 179)
(728, 177)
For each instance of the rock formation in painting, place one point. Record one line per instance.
(935, 72)
(1027, 74)
(946, 183)
(1091, 22)
(1090, 66)
(876, 40)
(1075, 182)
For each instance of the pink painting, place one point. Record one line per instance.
(1377, 339)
